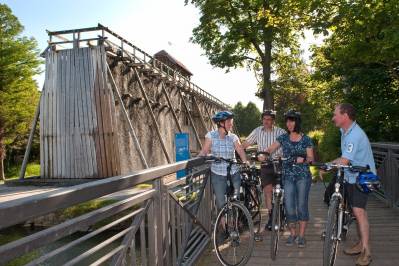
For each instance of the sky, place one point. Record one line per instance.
(152, 25)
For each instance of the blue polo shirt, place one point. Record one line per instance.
(355, 147)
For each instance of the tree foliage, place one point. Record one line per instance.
(246, 118)
(19, 62)
(359, 63)
(252, 33)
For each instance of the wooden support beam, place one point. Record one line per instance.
(210, 117)
(171, 107)
(30, 140)
(199, 112)
(191, 119)
(136, 141)
(152, 115)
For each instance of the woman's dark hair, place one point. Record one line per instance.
(295, 116)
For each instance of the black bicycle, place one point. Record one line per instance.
(278, 213)
(233, 233)
(339, 215)
(251, 194)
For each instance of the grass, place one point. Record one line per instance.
(144, 186)
(13, 234)
(83, 208)
(12, 172)
(32, 169)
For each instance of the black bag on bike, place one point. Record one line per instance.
(330, 188)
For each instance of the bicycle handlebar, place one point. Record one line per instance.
(211, 158)
(330, 166)
(270, 159)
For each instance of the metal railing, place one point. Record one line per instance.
(129, 51)
(167, 224)
(386, 156)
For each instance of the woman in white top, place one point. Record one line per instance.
(223, 143)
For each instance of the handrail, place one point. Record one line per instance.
(386, 156)
(163, 216)
(19, 210)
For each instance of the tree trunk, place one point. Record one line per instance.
(267, 95)
(2, 156)
(2, 176)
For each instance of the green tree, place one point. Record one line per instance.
(19, 62)
(246, 117)
(293, 87)
(359, 63)
(252, 33)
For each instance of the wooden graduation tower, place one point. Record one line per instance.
(108, 108)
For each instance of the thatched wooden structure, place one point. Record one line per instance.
(108, 108)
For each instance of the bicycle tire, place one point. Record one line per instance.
(253, 204)
(238, 223)
(276, 225)
(330, 245)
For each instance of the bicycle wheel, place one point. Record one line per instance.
(252, 202)
(331, 241)
(276, 226)
(233, 235)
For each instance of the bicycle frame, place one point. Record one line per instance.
(341, 203)
(343, 208)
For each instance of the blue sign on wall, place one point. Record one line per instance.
(182, 151)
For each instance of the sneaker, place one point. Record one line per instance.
(364, 259)
(290, 241)
(301, 242)
(353, 250)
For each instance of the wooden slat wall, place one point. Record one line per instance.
(77, 116)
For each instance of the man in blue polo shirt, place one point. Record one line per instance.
(355, 150)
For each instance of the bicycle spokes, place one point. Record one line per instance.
(233, 235)
(331, 239)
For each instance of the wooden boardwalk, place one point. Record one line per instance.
(384, 236)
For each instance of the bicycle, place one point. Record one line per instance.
(252, 194)
(339, 216)
(278, 213)
(233, 233)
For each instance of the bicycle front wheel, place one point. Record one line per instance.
(276, 226)
(331, 239)
(233, 235)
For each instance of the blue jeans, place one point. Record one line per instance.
(219, 184)
(296, 198)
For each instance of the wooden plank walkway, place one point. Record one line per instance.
(384, 236)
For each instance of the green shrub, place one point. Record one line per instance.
(327, 143)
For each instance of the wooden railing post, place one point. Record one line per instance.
(155, 237)
(388, 170)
